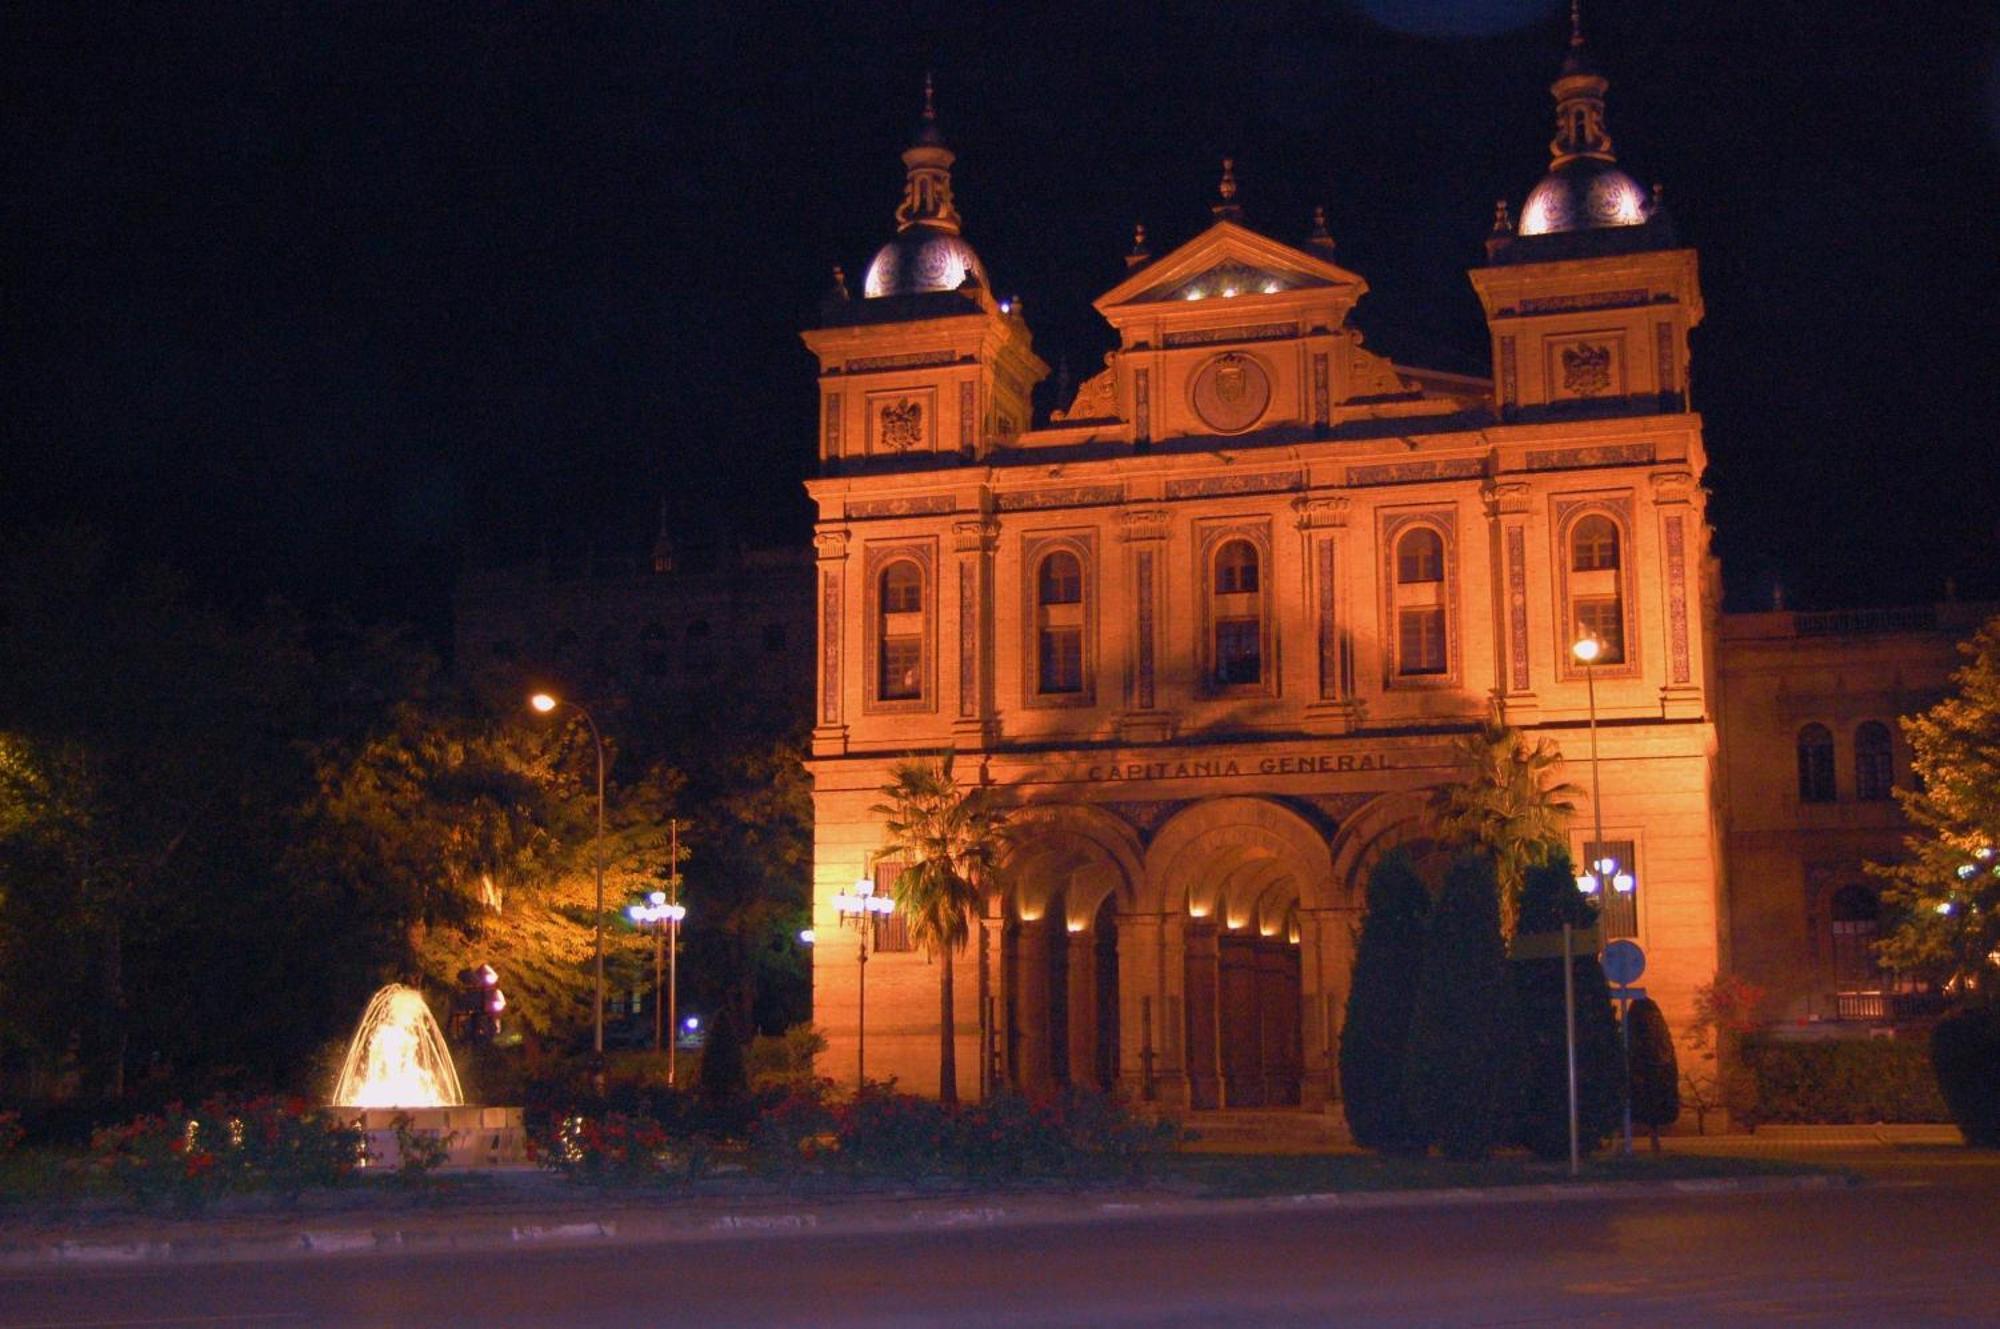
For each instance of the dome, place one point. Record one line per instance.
(922, 259)
(1580, 195)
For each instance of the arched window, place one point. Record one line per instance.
(1874, 761)
(900, 633)
(1419, 557)
(1857, 913)
(1593, 544)
(1421, 648)
(902, 588)
(1239, 616)
(1597, 599)
(1816, 764)
(1059, 624)
(1236, 568)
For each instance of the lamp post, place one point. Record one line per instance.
(859, 908)
(1603, 870)
(545, 703)
(664, 916)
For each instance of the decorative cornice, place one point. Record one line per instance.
(1214, 486)
(1506, 498)
(1315, 513)
(1143, 524)
(975, 536)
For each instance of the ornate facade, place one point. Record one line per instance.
(1214, 627)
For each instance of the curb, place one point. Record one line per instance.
(641, 1227)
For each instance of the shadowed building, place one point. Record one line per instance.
(1214, 628)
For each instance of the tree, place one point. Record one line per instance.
(1509, 802)
(949, 840)
(1460, 1069)
(1548, 900)
(1656, 1076)
(1375, 1037)
(1944, 896)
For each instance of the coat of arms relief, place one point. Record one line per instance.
(902, 425)
(1586, 369)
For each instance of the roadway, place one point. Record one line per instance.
(1913, 1246)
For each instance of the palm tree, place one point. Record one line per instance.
(949, 841)
(1509, 803)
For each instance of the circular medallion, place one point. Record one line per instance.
(1231, 393)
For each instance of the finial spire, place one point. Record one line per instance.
(1321, 237)
(839, 283)
(1227, 209)
(1503, 220)
(927, 167)
(1140, 255)
(1579, 92)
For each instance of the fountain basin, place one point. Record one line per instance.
(474, 1136)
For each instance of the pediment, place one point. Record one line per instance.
(1228, 261)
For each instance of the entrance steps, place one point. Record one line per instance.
(1267, 1131)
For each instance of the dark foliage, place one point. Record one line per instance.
(1836, 1082)
(1965, 1049)
(1461, 1067)
(1550, 899)
(1656, 1073)
(725, 1082)
(1376, 1034)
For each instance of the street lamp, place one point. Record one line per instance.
(545, 703)
(665, 917)
(859, 908)
(1603, 871)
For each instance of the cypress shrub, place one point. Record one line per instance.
(723, 1084)
(1459, 1073)
(1549, 899)
(1965, 1049)
(1656, 1073)
(1376, 1033)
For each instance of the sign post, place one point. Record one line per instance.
(1624, 964)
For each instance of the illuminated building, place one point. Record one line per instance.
(1214, 628)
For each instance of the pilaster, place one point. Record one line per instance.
(1507, 510)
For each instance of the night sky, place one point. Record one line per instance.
(323, 300)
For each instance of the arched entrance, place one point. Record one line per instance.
(1069, 876)
(1237, 876)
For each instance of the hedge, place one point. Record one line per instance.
(1844, 1081)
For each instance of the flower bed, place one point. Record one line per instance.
(188, 1158)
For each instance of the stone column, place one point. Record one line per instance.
(1031, 1004)
(1147, 716)
(1322, 524)
(1507, 511)
(1201, 1055)
(1082, 1008)
(830, 727)
(1682, 548)
(972, 661)
(1141, 1035)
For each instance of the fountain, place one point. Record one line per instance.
(399, 1066)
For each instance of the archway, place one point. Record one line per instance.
(1238, 873)
(1069, 876)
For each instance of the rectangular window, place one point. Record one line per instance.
(1420, 641)
(1618, 914)
(1238, 651)
(890, 933)
(1604, 620)
(902, 668)
(1062, 660)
